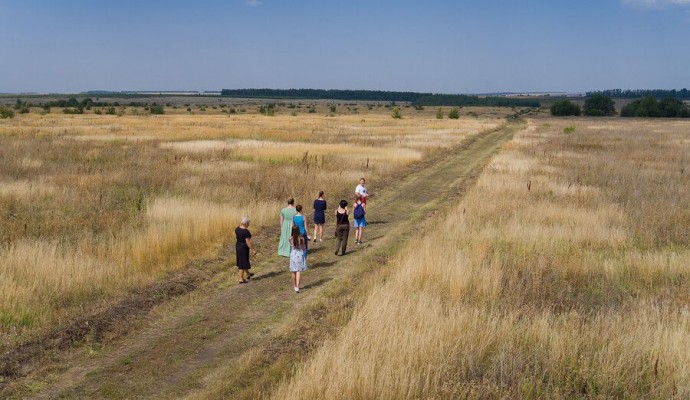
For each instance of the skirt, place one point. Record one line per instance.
(242, 251)
(298, 262)
(360, 222)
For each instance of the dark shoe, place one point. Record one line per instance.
(250, 275)
(244, 281)
(336, 252)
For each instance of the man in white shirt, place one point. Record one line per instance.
(362, 191)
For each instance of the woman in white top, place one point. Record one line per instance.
(361, 190)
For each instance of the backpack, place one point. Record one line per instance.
(359, 211)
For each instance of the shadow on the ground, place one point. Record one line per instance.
(268, 275)
(322, 264)
(317, 283)
(315, 249)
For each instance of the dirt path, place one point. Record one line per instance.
(188, 342)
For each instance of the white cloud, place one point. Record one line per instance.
(254, 3)
(657, 4)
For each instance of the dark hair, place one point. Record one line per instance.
(362, 179)
(320, 193)
(298, 208)
(291, 201)
(295, 236)
(358, 197)
(343, 203)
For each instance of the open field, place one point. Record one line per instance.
(93, 205)
(564, 273)
(560, 271)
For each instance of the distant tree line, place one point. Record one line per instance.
(88, 102)
(461, 100)
(74, 106)
(650, 107)
(600, 105)
(417, 99)
(332, 94)
(638, 93)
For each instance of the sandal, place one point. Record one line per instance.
(244, 281)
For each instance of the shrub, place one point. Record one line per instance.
(332, 108)
(75, 110)
(156, 109)
(439, 113)
(568, 130)
(599, 105)
(397, 114)
(650, 108)
(268, 109)
(6, 112)
(454, 113)
(673, 108)
(565, 108)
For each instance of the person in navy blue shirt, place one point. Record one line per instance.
(320, 207)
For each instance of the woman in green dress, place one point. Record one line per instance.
(286, 215)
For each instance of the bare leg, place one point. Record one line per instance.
(316, 228)
(297, 276)
(294, 279)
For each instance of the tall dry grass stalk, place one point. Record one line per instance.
(42, 278)
(552, 278)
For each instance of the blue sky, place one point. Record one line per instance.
(434, 45)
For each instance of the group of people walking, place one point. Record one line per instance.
(294, 233)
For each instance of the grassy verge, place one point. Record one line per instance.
(554, 277)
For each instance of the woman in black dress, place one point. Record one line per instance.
(242, 247)
(319, 216)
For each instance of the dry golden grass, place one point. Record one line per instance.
(92, 205)
(575, 287)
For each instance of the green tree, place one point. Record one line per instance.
(599, 105)
(565, 108)
(6, 112)
(673, 108)
(644, 107)
(454, 113)
(439, 113)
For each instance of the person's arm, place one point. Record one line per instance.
(281, 219)
(249, 244)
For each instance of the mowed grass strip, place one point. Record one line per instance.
(564, 273)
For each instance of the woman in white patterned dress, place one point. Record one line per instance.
(298, 262)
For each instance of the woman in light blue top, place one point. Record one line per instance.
(300, 221)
